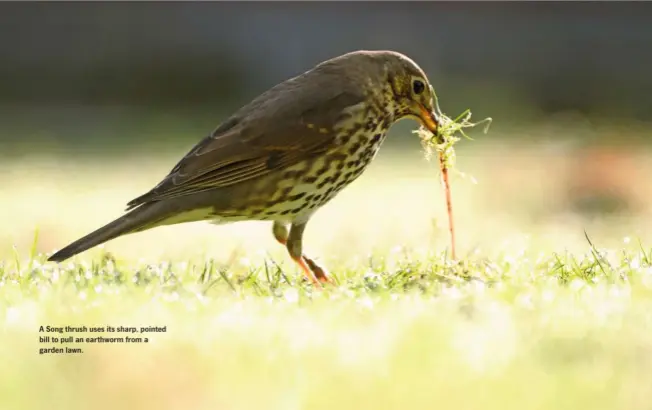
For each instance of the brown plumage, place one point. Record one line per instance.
(286, 153)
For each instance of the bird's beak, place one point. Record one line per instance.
(429, 119)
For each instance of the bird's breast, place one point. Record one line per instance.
(296, 192)
(327, 175)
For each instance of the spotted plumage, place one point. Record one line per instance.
(286, 153)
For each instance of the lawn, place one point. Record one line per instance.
(548, 308)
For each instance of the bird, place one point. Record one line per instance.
(285, 154)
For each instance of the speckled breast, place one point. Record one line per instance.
(306, 186)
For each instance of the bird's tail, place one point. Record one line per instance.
(144, 217)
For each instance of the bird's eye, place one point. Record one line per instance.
(418, 86)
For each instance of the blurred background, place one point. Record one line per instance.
(99, 100)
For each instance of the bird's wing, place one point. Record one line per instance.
(266, 136)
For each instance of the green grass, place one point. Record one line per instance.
(535, 316)
(523, 331)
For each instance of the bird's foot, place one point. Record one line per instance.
(308, 273)
(320, 272)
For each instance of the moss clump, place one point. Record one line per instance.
(444, 140)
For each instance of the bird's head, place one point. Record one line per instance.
(409, 90)
(394, 81)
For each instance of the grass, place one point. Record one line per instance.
(537, 315)
(553, 331)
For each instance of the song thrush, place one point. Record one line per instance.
(286, 153)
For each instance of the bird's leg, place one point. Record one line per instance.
(294, 239)
(281, 232)
(294, 246)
